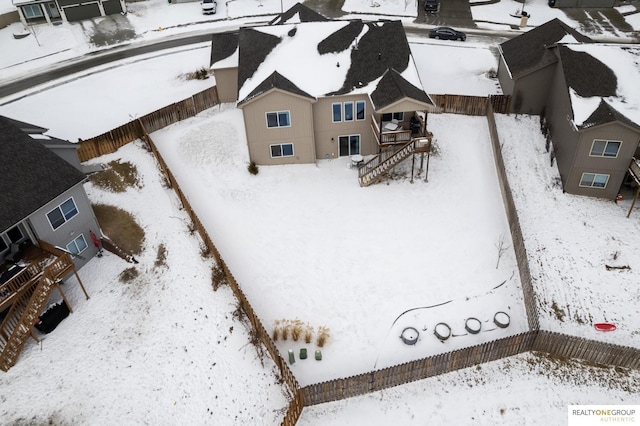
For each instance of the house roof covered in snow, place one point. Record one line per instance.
(602, 80)
(32, 174)
(296, 14)
(529, 52)
(320, 59)
(224, 50)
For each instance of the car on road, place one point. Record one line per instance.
(431, 6)
(446, 33)
(208, 6)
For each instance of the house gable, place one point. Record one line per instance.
(528, 52)
(296, 14)
(32, 175)
(393, 88)
(274, 82)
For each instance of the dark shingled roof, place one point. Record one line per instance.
(383, 47)
(275, 81)
(305, 14)
(529, 52)
(392, 87)
(587, 75)
(255, 46)
(341, 39)
(223, 45)
(605, 113)
(31, 175)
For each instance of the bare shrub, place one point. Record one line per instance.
(323, 336)
(129, 274)
(286, 329)
(308, 333)
(218, 277)
(276, 330)
(297, 328)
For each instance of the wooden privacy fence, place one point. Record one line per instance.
(113, 139)
(296, 405)
(417, 370)
(471, 105)
(535, 339)
(522, 259)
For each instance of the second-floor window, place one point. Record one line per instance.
(347, 111)
(603, 148)
(62, 214)
(278, 119)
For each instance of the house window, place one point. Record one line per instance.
(278, 119)
(337, 112)
(15, 234)
(63, 213)
(602, 148)
(78, 245)
(393, 116)
(281, 150)
(348, 111)
(594, 180)
(32, 11)
(349, 145)
(360, 110)
(3, 245)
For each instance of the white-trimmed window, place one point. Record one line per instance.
(347, 111)
(78, 245)
(594, 180)
(32, 11)
(336, 112)
(604, 148)
(278, 119)
(393, 116)
(281, 150)
(15, 234)
(360, 112)
(62, 214)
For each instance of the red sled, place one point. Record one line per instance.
(604, 326)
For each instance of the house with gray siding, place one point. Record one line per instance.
(314, 89)
(527, 65)
(593, 114)
(43, 198)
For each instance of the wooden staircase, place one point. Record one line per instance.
(376, 168)
(24, 297)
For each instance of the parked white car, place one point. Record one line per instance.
(208, 6)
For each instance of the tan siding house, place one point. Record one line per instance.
(321, 89)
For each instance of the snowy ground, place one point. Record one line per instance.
(188, 376)
(161, 349)
(570, 240)
(307, 242)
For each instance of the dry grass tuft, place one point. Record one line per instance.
(218, 277)
(322, 336)
(308, 333)
(276, 330)
(297, 328)
(121, 227)
(117, 177)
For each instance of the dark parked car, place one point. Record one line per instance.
(431, 6)
(446, 33)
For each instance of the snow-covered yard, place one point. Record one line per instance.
(306, 242)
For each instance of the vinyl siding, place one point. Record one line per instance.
(530, 92)
(227, 84)
(300, 133)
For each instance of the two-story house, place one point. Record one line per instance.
(321, 89)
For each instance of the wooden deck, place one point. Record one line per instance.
(24, 295)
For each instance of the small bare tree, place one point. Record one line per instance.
(502, 247)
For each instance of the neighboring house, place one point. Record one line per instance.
(527, 64)
(43, 198)
(56, 11)
(315, 89)
(593, 113)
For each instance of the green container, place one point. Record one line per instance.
(303, 353)
(318, 355)
(292, 356)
